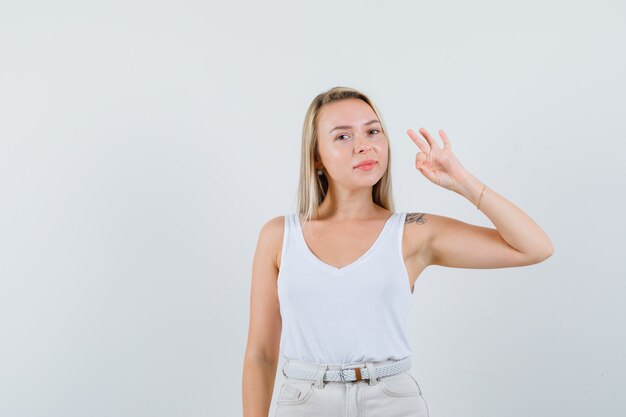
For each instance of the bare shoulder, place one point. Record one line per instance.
(436, 223)
(271, 237)
(429, 220)
(416, 226)
(419, 228)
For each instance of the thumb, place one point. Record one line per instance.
(425, 169)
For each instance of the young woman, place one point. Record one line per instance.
(331, 283)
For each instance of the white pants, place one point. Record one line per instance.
(396, 395)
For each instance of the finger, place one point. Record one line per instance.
(444, 137)
(432, 142)
(427, 172)
(420, 159)
(416, 138)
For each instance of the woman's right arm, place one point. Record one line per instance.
(262, 349)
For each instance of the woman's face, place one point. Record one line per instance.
(349, 133)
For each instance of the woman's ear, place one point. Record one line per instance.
(317, 164)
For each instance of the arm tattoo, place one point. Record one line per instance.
(415, 218)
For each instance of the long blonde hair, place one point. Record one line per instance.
(312, 187)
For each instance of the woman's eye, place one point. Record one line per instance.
(372, 130)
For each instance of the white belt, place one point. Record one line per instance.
(292, 370)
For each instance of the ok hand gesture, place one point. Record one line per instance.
(439, 165)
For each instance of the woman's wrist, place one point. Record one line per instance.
(471, 188)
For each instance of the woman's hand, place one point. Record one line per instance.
(439, 165)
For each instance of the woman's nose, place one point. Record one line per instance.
(364, 147)
(361, 144)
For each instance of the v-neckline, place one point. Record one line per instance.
(345, 268)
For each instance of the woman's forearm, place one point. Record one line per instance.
(257, 386)
(515, 226)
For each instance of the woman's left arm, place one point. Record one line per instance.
(515, 226)
(517, 239)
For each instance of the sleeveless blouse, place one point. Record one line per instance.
(346, 315)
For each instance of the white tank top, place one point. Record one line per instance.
(346, 315)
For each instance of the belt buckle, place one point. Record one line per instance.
(357, 376)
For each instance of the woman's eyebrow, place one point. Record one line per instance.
(350, 127)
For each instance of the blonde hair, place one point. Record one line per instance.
(312, 187)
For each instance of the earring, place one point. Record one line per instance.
(320, 172)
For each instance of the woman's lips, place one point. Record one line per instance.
(367, 167)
